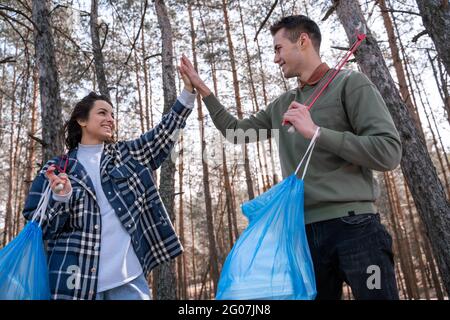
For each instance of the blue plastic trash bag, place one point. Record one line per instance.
(271, 258)
(23, 263)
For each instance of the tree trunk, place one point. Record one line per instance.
(412, 105)
(2, 82)
(237, 95)
(191, 214)
(140, 108)
(146, 82)
(445, 86)
(8, 229)
(261, 159)
(441, 84)
(407, 246)
(417, 167)
(231, 207)
(206, 184)
(52, 125)
(181, 263)
(99, 61)
(403, 86)
(165, 276)
(19, 145)
(32, 143)
(417, 242)
(266, 102)
(398, 237)
(436, 19)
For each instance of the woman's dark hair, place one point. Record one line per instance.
(81, 111)
(296, 25)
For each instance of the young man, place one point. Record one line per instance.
(357, 135)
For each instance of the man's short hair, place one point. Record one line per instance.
(295, 25)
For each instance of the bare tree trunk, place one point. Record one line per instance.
(204, 280)
(442, 85)
(433, 136)
(266, 102)
(231, 207)
(138, 88)
(33, 128)
(206, 184)
(229, 201)
(398, 65)
(263, 159)
(436, 19)
(431, 262)
(417, 167)
(248, 176)
(445, 86)
(19, 146)
(165, 276)
(181, 263)
(146, 82)
(99, 61)
(1, 105)
(7, 232)
(402, 80)
(417, 242)
(398, 237)
(52, 126)
(194, 274)
(406, 245)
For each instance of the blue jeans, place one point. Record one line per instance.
(136, 289)
(356, 249)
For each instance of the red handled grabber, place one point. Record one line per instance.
(62, 171)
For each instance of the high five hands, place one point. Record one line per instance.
(187, 69)
(187, 82)
(297, 114)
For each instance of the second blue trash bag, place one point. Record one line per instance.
(271, 259)
(23, 262)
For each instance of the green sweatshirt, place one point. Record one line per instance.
(357, 136)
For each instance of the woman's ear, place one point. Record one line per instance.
(82, 123)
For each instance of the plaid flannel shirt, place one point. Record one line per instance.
(73, 229)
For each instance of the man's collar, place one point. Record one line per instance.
(316, 76)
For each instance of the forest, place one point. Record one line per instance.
(53, 53)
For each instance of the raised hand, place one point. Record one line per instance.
(188, 69)
(187, 82)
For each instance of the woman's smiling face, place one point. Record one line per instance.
(99, 127)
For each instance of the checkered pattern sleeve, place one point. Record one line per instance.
(153, 147)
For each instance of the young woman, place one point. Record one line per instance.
(107, 228)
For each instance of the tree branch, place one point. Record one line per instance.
(400, 11)
(135, 40)
(265, 20)
(8, 17)
(7, 60)
(15, 29)
(6, 8)
(330, 11)
(152, 56)
(417, 36)
(340, 48)
(42, 142)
